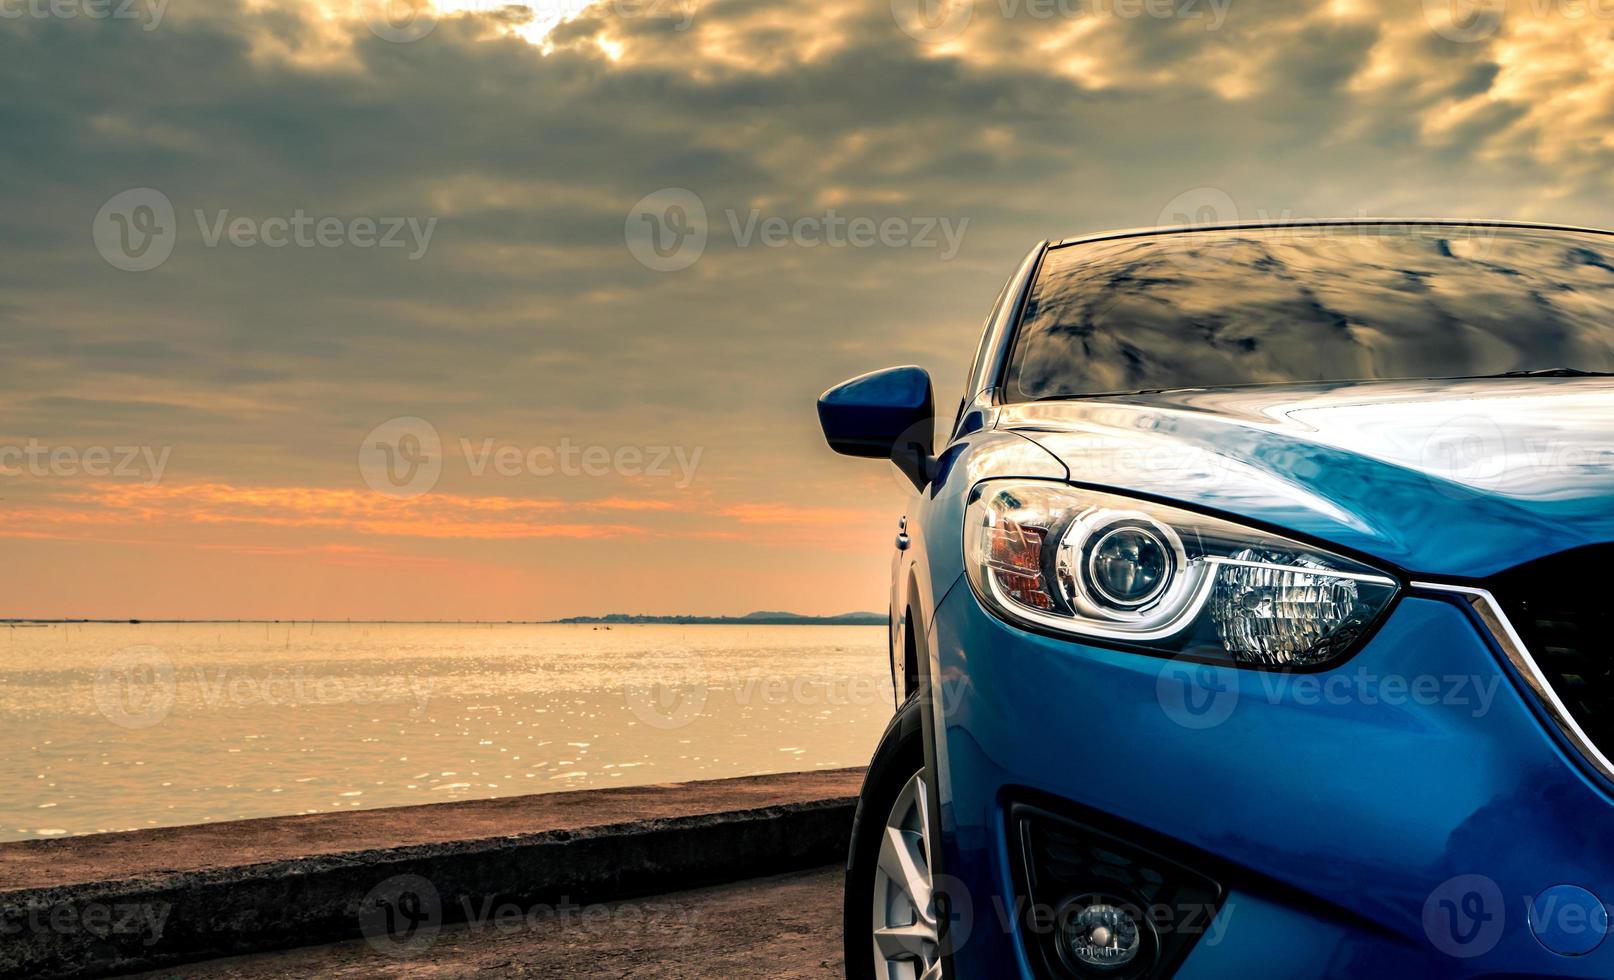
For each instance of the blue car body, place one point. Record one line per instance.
(1406, 810)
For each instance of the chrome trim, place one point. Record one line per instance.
(1282, 224)
(1501, 629)
(1370, 578)
(1198, 582)
(1190, 591)
(1075, 573)
(986, 376)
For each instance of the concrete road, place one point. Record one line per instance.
(785, 927)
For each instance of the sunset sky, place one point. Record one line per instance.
(519, 311)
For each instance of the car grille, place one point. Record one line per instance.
(1561, 609)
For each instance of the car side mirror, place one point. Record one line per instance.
(890, 414)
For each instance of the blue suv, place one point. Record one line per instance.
(1253, 618)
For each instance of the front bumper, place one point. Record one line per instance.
(1394, 815)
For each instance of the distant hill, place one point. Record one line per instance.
(749, 619)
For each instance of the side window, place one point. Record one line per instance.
(992, 330)
(986, 340)
(980, 353)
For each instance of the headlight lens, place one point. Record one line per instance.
(1129, 565)
(1108, 567)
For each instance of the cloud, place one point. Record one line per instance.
(342, 512)
(529, 320)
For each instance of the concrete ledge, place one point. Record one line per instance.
(94, 905)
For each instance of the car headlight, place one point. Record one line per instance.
(1102, 566)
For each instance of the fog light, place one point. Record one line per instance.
(1096, 906)
(1097, 935)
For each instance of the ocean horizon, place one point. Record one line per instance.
(122, 726)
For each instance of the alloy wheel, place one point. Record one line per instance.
(905, 927)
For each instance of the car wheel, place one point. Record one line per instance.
(890, 915)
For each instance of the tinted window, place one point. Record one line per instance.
(1259, 306)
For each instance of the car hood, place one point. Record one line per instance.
(1457, 479)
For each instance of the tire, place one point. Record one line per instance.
(897, 769)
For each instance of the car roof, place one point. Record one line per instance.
(1326, 222)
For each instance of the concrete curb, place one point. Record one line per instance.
(398, 895)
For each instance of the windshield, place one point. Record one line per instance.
(1311, 303)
